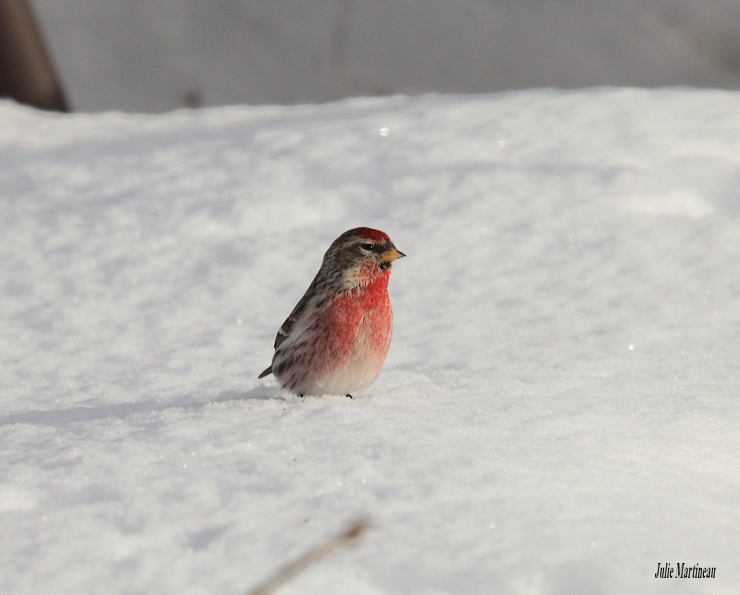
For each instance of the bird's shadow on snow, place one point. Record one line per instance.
(62, 417)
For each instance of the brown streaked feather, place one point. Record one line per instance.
(298, 311)
(287, 326)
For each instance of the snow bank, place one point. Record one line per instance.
(558, 412)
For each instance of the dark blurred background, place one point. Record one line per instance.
(157, 55)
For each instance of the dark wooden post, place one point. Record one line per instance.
(26, 71)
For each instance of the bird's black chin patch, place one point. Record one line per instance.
(384, 266)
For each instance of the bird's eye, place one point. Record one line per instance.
(367, 247)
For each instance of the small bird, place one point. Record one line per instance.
(336, 338)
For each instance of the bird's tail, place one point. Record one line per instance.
(266, 373)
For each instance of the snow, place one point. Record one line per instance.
(558, 412)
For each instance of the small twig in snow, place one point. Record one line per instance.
(290, 571)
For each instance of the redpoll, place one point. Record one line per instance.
(336, 338)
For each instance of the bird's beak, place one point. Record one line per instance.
(391, 254)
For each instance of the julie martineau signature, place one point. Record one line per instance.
(683, 571)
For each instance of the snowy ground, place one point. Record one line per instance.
(564, 364)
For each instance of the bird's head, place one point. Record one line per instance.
(359, 256)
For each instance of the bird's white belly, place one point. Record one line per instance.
(359, 370)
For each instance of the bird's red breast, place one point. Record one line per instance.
(351, 337)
